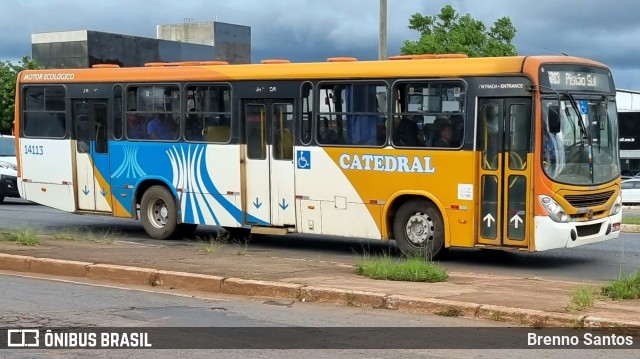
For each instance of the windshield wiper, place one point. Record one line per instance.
(576, 108)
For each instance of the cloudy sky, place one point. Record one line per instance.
(302, 30)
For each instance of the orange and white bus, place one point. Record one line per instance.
(431, 151)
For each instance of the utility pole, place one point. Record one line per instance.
(382, 48)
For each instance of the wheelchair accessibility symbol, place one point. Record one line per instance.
(584, 107)
(304, 160)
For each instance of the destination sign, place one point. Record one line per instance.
(576, 78)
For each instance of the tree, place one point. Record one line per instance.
(449, 33)
(8, 76)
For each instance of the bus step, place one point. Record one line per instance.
(276, 231)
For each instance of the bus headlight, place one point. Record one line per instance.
(8, 165)
(616, 206)
(555, 211)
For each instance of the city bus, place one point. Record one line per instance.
(433, 151)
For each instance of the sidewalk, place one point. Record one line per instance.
(231, 269)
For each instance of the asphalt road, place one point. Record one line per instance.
(600, 261)
(41, 303)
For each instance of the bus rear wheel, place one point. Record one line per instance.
(418, 229)
(158, 212)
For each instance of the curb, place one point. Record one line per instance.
(630, 228)
(281, 290)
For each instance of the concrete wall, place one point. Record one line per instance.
(232, 42)
(191, 32)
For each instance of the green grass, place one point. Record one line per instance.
(23, 237)
(630, 220)
(209, 247)
(405, 269)
(68, 234)
(241, 249)
(625, 287)
(85, 233)
(583, 297)
(212, 244)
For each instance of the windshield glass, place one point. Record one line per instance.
(7, 146)
(580, 141)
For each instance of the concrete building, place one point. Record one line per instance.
(232, 42)
(628, 103)
(85, 48)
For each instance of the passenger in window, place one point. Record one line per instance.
(444, 133)
(191, 104)
(407, 133)
(457, 124)
(161, 127)
(193, 128)
(135, 129)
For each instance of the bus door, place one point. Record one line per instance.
(269, 195)
(92, 154)
(505, 176)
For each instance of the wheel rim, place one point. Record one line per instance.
(158, 213)
(420, 229)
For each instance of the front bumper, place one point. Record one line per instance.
(552, 235)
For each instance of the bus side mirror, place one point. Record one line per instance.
(553, 119)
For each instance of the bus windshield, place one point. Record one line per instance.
(580, 140)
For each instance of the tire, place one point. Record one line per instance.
(185, 230)
(418, 229)
(1, 199)
(158, 212)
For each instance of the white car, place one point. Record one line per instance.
(631, 191)
(8, 168)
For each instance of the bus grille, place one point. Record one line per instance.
(588, 200)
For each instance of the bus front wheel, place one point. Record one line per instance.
(418, 229)
(158, 212)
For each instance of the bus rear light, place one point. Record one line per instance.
(43, 189)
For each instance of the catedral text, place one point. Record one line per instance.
(386, 163)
